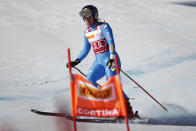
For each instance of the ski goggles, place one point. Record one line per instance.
(85, 13)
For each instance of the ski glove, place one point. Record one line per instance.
(73, 63)
(110, 63)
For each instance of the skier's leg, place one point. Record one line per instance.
(130, 114)
(109, 73)
(95, 73)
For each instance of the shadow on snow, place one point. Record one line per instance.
(187, 3)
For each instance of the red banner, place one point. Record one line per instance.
(97, 102)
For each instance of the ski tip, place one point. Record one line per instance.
(33, 110)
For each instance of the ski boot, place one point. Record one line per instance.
(130, 113)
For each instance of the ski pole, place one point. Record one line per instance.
(80, 71)
(83, 74)
(144, 90)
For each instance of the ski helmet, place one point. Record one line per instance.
(93, 11)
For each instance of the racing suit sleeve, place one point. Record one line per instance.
(85, 49)
(107, 32)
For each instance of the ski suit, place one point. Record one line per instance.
(100, 38)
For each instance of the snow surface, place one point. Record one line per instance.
(156, 41)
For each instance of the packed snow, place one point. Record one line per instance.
(155, 40)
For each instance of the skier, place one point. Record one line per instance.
(98, 35)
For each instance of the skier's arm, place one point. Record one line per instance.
(85, 50)
(107, 32)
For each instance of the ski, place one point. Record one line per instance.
(67, 116)
(78, 118)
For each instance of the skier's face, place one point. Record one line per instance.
(89, 21)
